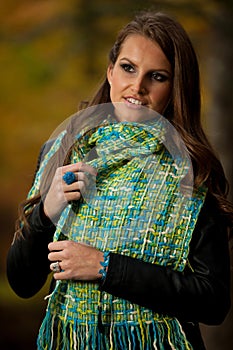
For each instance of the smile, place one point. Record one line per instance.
(134, 101)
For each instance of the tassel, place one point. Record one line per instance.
(55, 334)
(100, 323)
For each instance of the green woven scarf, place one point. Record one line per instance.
(138, 208)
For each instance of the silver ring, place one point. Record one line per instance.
(56, 267)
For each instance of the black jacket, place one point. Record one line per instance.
(201, 295)
(198, 295)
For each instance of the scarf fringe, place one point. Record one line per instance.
(57, 334)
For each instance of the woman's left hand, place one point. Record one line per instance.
(77, 261)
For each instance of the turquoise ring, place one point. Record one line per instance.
(69, 177)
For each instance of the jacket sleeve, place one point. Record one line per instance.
(200, 294)
(27, 259)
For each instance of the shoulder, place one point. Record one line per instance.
(211, 210)
(211, 223)
(43, 151)
(45, 148)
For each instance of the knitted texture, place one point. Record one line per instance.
(137, 207)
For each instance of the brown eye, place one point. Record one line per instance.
(158, 77)
(127, 67)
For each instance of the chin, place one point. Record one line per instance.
(134, 113)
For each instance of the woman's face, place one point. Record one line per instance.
(141, 77)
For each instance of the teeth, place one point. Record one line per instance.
(132, 100)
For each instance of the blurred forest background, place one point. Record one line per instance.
(53, 54)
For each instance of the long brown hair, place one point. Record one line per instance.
(184, 109)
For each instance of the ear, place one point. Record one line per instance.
(109, 73)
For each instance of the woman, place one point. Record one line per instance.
(128, 275)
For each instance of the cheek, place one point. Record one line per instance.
(117, 86)
(113, 95)
(118, 79)
(162, 95)
(117, 82)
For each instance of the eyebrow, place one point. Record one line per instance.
(151, 70)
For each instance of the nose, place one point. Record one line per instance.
(139, 85)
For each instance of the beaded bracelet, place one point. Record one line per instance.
(104, 263)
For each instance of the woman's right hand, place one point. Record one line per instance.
(60, 193)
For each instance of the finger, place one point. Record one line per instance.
(75, 186)
(60, 275)
(54, 256)
(80, 176)
(72, 167)
(80, 166)
(74, 191)
(57, 246)
(73, 196)
(88, 168)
